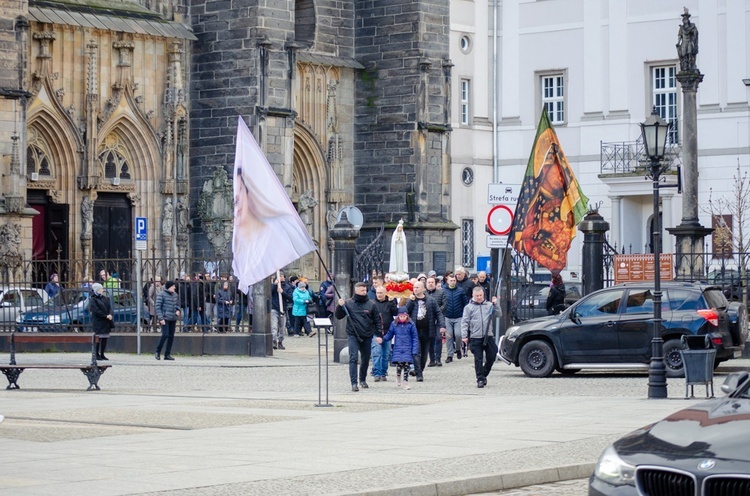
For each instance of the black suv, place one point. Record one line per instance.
(611, 329)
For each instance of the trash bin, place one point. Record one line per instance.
(698, 357)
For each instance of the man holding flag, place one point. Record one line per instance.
(551, 203)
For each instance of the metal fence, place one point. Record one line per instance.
(31, 301)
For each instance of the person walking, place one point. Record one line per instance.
(381, 349)
(167, 312)
(362, 323)
(53, 286)
(455, 301)
(556, 298)
(197, 303)
(436, 350)
(425, 313)
(224, 302)
(280, 298)
(102, 319)
(302, 298)
(476, 331)
(183, 291)
(406, 345)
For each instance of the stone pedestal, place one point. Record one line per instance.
(261, 342)
(344, 238)
(593, 227)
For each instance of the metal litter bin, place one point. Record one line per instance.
(698, 357)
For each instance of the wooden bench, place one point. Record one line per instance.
(92, 371)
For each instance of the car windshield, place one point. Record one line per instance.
(67, 297)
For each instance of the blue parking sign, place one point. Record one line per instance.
(141, 233)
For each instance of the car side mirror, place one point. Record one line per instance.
(575, 317)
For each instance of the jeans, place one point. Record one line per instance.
(436, 352)
(167, 334)
(453, 335)
(484, 356)
(381, 356)
(300, 321)
(357, 348)
(420, 360)
(278, 323)
(185, 315)
(198, 317)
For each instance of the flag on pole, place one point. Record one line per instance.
(268, 232)
(551, 203)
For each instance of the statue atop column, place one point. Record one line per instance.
(687, 43)
(397, 279)
(87, 217)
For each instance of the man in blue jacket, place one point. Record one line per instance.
(455, 301)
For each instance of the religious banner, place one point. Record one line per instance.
(551, 203)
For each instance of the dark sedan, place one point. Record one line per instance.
(611, 329)
(703, 450)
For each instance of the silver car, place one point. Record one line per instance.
(14, 300)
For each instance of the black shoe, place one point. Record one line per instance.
(355, 388)
(438, 364)
(449, 359)
(275, 346)
(458, 354)
(156, 355)
(281, 346)
(364, 385)
(102, 357)
(480, 384)
(412, 373)
(168, 357)
(420, 378)
(98, 357)
(431, 364)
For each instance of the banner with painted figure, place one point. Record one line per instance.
(551, 203)
(268, 232)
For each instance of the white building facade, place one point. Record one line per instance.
(599, 66)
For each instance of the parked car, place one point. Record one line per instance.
(699, 451)
(529, 300)
(68, 311)
(14, 300)
(612, 328)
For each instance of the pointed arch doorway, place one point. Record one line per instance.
(309, 177)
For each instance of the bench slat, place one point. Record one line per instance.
(82, 366)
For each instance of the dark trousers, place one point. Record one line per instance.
(420, 361)
(436, 352)
(167, 334)
(357, 348)
(484, 356)
(300, 322)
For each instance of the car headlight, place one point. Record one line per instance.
(512, 330)
(612, 469)
(18, 319)
(54, 319)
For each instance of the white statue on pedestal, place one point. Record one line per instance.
(399, 263)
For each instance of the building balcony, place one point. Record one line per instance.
(628, 158)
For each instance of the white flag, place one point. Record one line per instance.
(268, 232)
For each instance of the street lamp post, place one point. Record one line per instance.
(654, 132)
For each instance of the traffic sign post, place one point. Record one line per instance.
(503, 194)
(141, 233)
(500, 220)
(141, 240)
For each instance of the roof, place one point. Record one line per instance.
(113, 16)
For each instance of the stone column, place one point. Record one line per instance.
(593, 227)
(344, 238)
(616, 236)
(261, 343)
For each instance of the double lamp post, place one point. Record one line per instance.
(654, 132)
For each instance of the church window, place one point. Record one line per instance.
(115, 165)
(37, 161)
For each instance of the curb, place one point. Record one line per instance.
(489, 483)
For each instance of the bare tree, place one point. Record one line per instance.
(738, 206)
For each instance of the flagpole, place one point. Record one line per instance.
(278, 286)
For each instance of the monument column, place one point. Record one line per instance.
(689, 233)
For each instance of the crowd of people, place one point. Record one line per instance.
(455, 309)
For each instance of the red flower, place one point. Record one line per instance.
(399, 287)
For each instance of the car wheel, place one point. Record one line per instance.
(537, 359)
(673, 358)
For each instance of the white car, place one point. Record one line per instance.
(15, 300)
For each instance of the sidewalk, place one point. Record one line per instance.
(239, 425)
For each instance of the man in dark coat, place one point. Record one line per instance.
(455, 301)
(198, 302)
(167, 313)
(426, 315)
(436, 351)
(183, 290)
(102, 320)
(556, 298)
(362, 323)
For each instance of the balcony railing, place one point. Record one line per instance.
(628, 157)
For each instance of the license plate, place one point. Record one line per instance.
(29, 329)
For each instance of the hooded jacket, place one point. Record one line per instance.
(476, 322)
(364, 319)
(406, 344)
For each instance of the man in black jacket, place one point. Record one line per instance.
(428, 318)
(198, 302)
(362, 323)
(167, 313)
(436, 351)
(183, 290)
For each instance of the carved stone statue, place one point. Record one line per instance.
(182, 216)
(10, 246)
(305, 206)
(398, 269)
(87, 217)
(687, 43)
(331, 216)
(167, 218)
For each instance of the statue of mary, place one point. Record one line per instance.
(399, 264)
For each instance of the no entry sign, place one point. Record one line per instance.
(500, 220)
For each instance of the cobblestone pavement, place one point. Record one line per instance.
(577, 487)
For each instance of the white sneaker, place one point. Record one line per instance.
(406, 386)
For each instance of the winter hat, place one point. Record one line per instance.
(431, 273)
(96, 287)
(302, 285)
(169, 284)
(403, 310)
